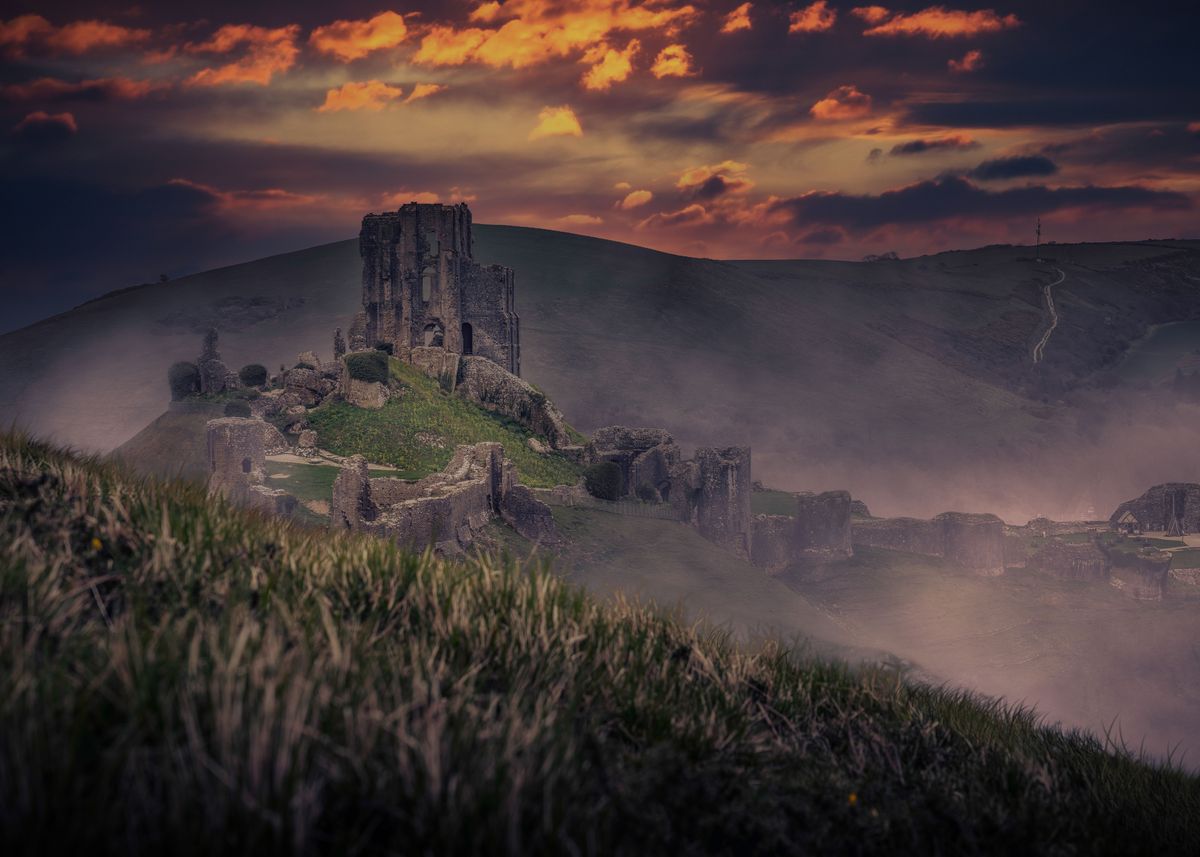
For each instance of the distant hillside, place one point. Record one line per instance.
(183, 677)
(911, 383)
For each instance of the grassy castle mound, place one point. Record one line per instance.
(180, 676)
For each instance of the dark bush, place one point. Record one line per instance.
(368, 366)
(184, 379)
(647, 493)
(237, 408)
(253, 375)
(603, 480)
(385, 347)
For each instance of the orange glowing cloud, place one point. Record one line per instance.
(611, 66)
(372, 95)
(580, 220)
(871, 14)
(672, 61)
(738, 19)
(845, 102)
(352, 40)
(556, 122)
(815, 18)
(531, 32)
(423, 90)
(103, 88)
(938, 22)
(635, 199)
(267, 52)
(971, 61)
(78, 37)
(252, 201)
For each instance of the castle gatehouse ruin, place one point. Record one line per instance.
(423, 289)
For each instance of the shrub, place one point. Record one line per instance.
(368, 366)
(237, 408)
(184, 379)
(253, 375)
(385, 347)
(603, 480)
(647, 493)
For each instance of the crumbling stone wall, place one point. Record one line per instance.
(1142, 576)
(446, 509)
(423, 288)
(646, 456)
(237, 463)
(823, 523)
(818, 532)
(1068, 561)
(722, 511)
(496, 389)
(215, 376)
(972, 542)
(1156, 509)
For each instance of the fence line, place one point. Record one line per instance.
(630, 508)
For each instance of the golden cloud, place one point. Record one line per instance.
(267, 52)
(697, 176)
(635, 199)
(352, 40)
(672, 61)
(939, 22)
(611, 66)
(738, 19)
(531, 32)
(78, 37)
(372, 95)
(971, 61)
(580, 220)
(871, 14)
(423, 90)
(815, 18)
(556, 122)
(845, 102)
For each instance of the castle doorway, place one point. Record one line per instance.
(246, 465)
(468, 336)
(434, 335)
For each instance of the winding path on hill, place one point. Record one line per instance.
(1039, 350)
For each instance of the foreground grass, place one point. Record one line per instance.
(418, 431)
(182, 677)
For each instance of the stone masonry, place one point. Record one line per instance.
(237, 463)
(972, 542)
(446, 510)
(423, 288)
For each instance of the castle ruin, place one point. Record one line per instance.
(423, 289)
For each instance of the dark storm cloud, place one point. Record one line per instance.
(1020, 166)
(952, 197)
(45, 129)
(936, 144)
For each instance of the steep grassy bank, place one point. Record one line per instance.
(179, 676)
(418, 430)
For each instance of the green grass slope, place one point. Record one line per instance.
(418, 430)
(180, 676)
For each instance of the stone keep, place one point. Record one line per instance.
(423, 289)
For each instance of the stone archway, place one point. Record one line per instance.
(434, 335)
(468, 338)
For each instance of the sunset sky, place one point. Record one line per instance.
(140, 140)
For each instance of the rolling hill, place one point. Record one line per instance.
(909, 382)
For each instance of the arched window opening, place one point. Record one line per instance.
(434, 335)
(468, 339)
(245, 465)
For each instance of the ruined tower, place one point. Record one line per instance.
(423, 289)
